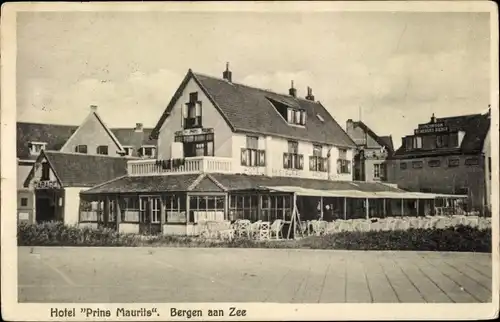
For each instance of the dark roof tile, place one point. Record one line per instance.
(146, 184)
(54, 135)
(475, 126)
(249, 109)
(83, 170)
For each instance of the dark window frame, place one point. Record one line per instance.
(81, 148)
(417, 164)
(434, 163)
(100, 152)
(452, 164)
(24, 202)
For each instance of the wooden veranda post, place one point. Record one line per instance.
(345, 208)
(293, 219)
(367, 210)
(162, 212)
(118, 213)
(321, 206)
(402, 207)
(384, 208)
(417, 201)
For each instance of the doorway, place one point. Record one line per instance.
(149, 215)
(48, 205)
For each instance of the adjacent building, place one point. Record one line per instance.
(91, 138)
(447, 155)
(373, 151)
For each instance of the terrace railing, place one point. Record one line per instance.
(190, 165)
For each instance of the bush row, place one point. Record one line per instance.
(459, 238)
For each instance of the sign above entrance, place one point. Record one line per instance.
(431, 128)
(194, 131)
(46, 184)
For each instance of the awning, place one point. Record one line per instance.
(357, 193)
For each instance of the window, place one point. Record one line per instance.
(417, 164)
(197, 145)
(418, 142)
(292, 159)
(175, 208)
(408, 143)
(24, 202)
(434, 163)
(128, 150)
(376, 171)
(251, 156)
(442, 141)
(402, 165)
(102, 149)
(453, 162)
(192, 112)
(37, 147)
(155, 210)
(147, 151)
(81, 149)
(45, 171)
(316, 161)
(296, 116)
(343, 165)
(206, 208)
(453, 140)
(472, 161)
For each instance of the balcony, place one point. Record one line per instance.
(191, 165)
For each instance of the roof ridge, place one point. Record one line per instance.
(255, 88)
(85, 154)
(52, 124)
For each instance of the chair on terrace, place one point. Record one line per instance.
(276, 229)
(264, 232)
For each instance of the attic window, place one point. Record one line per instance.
(37, 147)
(128, 150)
(102, 149)
(296, 116)
(320, 118)
(81, 149)
(147, 151)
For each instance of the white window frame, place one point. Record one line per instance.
(155, 210)
(34, 145)
(128, 150)
(377, 170)
(153, 151)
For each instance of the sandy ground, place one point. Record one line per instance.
(169, 275)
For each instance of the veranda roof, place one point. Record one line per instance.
(358, 194)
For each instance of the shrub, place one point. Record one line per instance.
(459, 238)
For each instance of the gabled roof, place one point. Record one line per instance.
(93, 113)
(83, 170)
(54, 135)
(382, 140)
(475, 126)
(249, 110)
(126, 136)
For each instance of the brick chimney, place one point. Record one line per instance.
(310, 95)
(93, 108)
(227, 74)
(292, 91)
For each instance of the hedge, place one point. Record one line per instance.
(459, 238)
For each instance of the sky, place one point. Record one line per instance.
(391, 69)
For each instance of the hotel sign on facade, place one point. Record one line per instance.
(431, 128)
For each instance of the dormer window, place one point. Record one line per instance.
(147, 151)
(128, 150)
(37, 147)
(81, 149)
(296, 116)
(192, 112)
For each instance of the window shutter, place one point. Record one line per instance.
(262, 158)
(303, 117)
(243, 156)
(301, 161)
(339, 165)
(348, 166)
(285, 160)
(311, 163)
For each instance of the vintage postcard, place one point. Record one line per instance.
(249, 161)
